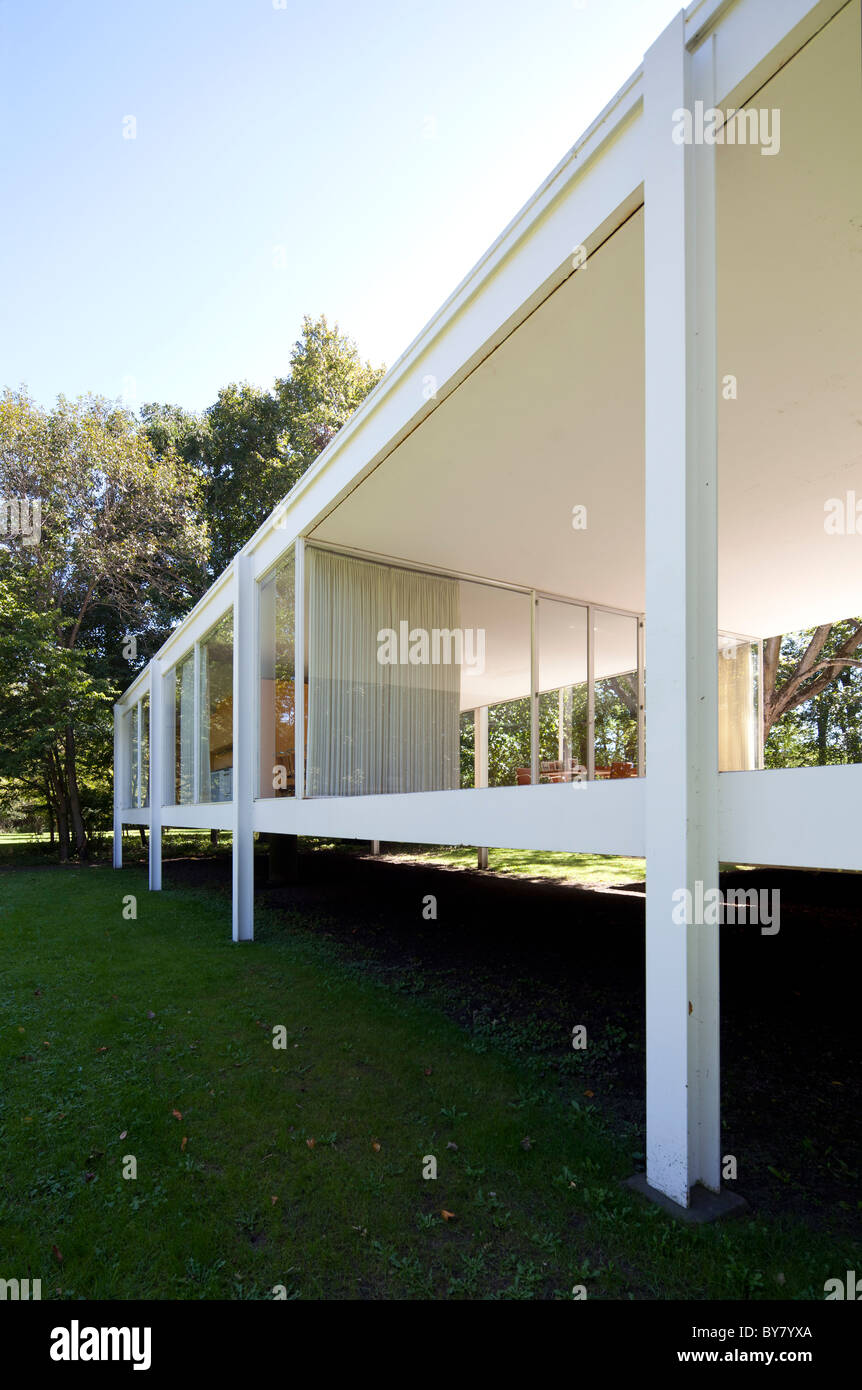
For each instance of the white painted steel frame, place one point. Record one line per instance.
(683, 1129)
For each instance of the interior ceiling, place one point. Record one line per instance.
(554, 417)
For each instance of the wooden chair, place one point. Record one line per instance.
(621, 769)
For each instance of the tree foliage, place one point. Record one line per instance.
(121, 543)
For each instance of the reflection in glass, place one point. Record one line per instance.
(216, 712)
(184, 731)
(278, 681)
(563, 691)
(616, 694)
(145, 751)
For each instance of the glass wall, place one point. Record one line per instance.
(385, 656)
(495, 682)
(184, 731)
(277, 627)
(616, 694)
(145, 751)
(563, 705)
(132, 747)
(136, 735)
(738, 700)
(216, 712)
(424, 682)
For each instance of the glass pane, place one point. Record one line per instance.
(184, 717)
(509, 743)
(216, 718)
(145, 751)
(495, 676)
(468, 748)
(132, 746)
(737, 704)
(278, 682)
(616, 694)
(563, 693)
(384, 659)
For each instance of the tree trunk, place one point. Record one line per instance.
(74, 796)
(55, 782)
(214, 834)
(49, 810)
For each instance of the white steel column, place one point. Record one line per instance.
(683, 1135)
(245, 669)
(119, 777)
(480, 767)
(158, 755)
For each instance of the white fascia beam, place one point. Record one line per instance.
(683, 1134)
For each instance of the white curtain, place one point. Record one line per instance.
(187, 732)
(375, 727)
(737, 710)
(205, 790)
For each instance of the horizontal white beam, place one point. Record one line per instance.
(754, 38)
(803, 817)
(205, 816)
(604, 817)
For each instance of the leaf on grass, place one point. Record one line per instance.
(183, 1144)
(447, 1215)
(124, 1133)
(273, 1200)
(56, 1253)
(101, 1049)
(527, 1143)
(375, 1146)
(590, 1094)
(310, 1143)
(176, 1114)
(427, 1071)
(452, 1145)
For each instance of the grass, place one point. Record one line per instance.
(21, 847)
(301, 1168)
(531, 864)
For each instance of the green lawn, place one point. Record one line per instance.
(153, 1038)
(531, 863)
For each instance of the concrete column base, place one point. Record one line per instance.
(705, 1206)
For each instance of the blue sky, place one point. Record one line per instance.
(290, 157)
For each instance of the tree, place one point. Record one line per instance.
(326, 383)
(795, 672)
(121, 540)
(252, 446)
(45, 680)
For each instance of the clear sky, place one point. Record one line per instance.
(290, 157)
